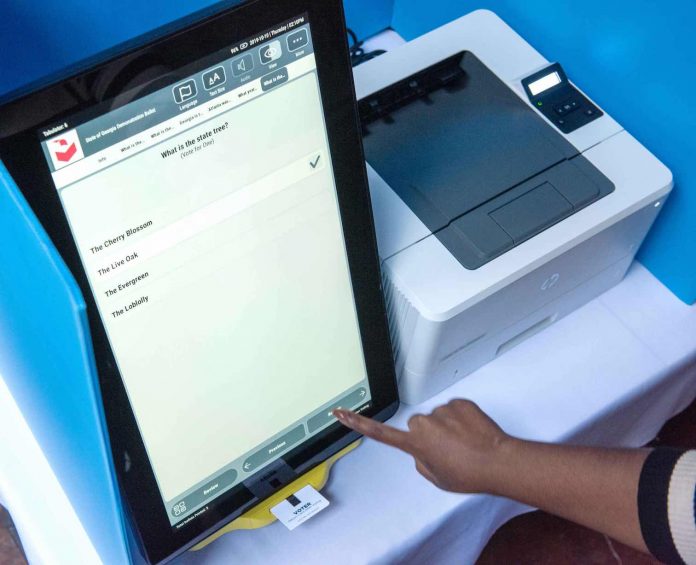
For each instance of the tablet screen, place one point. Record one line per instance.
(206, 218)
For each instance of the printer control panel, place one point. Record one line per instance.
(562, 104)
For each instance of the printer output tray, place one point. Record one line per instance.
(473, 161)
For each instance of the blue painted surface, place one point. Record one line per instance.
(41, 37)
(47, 362)
(645, 51)
(368, 17)
(612, 50)
(637, 59)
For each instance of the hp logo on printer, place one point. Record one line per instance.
(550, 282)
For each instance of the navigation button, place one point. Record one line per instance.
(207, 491)
(214, 78)
(271, 52)
(274, 449)
(566, 107)
(242, 65)
(184, 91)
(276, 78)
(326, 416)
(297, 40)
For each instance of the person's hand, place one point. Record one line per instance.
(457, 447)
(460, 449)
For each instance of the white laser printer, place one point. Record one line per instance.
(504, 198)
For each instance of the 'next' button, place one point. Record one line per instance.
(326, 416)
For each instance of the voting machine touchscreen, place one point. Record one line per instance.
(207, 190)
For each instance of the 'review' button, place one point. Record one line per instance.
(202, 494)
(273, 449)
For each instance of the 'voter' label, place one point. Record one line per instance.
(299, 507)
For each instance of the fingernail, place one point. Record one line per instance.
(340, 415)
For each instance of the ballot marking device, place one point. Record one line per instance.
(206, 188)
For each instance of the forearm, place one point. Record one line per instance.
(595, 487)
(625, 493)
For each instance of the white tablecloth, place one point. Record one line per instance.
(611, 373)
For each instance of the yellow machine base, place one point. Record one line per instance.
(260, 515)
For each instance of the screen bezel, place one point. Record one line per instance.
(202, 35)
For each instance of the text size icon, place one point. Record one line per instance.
(271, 52)
(184, 91)
(214, 78)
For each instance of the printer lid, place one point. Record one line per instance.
(472, 160)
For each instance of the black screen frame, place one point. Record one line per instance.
(176, 46)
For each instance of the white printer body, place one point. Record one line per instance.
(526, 223)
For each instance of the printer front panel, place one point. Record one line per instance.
(436, 353)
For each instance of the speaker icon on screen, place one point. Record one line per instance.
(242, 65)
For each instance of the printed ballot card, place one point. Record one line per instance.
(300, 507)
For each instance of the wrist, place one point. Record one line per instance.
(505, 464)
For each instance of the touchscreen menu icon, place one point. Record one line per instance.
(184, 91)
(242, 65)
(297, 40)
(271, 52)
(214, 78)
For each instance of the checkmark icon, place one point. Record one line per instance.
(314, 163)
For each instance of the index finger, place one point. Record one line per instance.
(374, 429)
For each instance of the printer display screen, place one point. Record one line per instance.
(206, 216)
(544, 83)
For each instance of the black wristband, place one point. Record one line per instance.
(653, 489)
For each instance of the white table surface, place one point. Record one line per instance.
(611, 373)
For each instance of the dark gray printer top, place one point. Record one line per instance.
(475, 163)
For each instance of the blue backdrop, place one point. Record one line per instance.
(46, 359)
(39, 37)
(637, 58)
